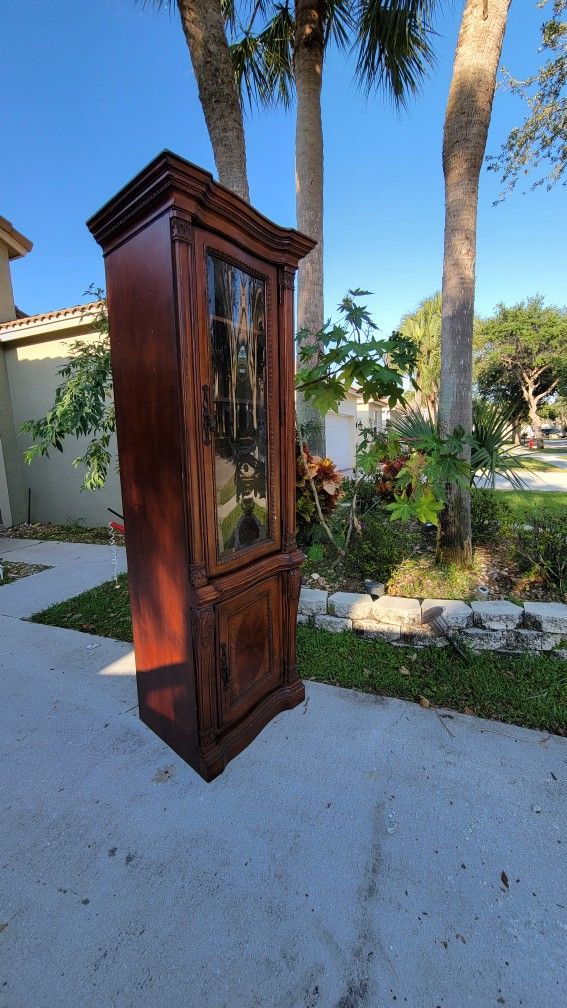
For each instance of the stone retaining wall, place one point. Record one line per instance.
(484, 626)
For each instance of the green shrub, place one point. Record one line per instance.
(540, 546)
(367, 498)
(327, 480)
(380, 545)
(490, 514)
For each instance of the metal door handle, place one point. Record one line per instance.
(224, 668)
(209, 425)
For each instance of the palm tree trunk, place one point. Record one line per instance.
(203, 26)
(308, 58)
(467, 119)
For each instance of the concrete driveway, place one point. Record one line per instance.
(361, 853)
(72, 568)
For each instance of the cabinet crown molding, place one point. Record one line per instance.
(170, 182)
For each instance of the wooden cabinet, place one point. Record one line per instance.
(200, 302)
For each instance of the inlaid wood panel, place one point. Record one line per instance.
(249, 640)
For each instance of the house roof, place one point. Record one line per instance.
(33, 325)
(16, 243)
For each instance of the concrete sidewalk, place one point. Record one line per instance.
(352, 857)
(533, 480)
(74, 568)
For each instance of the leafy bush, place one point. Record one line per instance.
(388, 473)
(540, 546)
(489, 441)
(366, 497)
(327, 480)
(490, 515)
(379, 546)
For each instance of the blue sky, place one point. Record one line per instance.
(91, 92)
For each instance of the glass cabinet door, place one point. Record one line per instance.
(241, 408)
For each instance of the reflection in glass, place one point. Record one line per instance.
(238, 355)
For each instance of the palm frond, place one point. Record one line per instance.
(228, 10)
(339, 22)
(263, 63)
(490, 452)
(393, 43)
(412, 425)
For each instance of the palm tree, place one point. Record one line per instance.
(423, 328)
(204, 29)
(467, 119)
(391, 39)
(308, 54)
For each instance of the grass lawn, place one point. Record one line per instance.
(525, 502)
(535, 464)
(530, 691)
(423, 578)
(99, 536)
(14, 571)
(104, 610)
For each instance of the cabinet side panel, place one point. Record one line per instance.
(147, 387)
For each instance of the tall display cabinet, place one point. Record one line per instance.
(200, 302)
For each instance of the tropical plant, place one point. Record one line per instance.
(467, 119)
(541, 139)
(423, 327)
(524, 345)
(354, 354)
(489, 441)
(432, 463)
(318, 490)
(492, 433)
(349, 352)
(281, 49)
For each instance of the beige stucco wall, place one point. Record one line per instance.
(56, 496)
(5, 509)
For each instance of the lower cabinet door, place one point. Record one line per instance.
(250, 646)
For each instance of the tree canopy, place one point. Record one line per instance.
(540, 142)
(523, 348)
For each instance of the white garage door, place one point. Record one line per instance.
(339, 431)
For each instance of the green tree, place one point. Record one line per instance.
(423, 328)
(467, 119)
(556, 410)
(83, 405)
(282, 49)
(524, 347)
(540, 142)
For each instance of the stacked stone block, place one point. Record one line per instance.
(485, 626)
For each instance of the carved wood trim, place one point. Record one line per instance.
(203, 626)
(198, 575)
(181, 230)
(289, 543)
(294, 586)
(286, 279)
